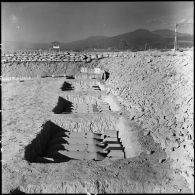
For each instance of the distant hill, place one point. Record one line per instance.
(140, 39)
(137, 40)
(132, 40)
(184, 39)
(91, 38)
(90, 42)
(170, 33)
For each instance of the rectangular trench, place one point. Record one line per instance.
(55, 144)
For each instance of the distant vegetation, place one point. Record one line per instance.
(137, 40)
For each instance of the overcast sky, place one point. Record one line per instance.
(70, 21)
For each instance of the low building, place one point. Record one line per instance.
(55, 46)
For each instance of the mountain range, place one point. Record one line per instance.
(140, 39)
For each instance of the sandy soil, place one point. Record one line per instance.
(147, 96)
(157, 90)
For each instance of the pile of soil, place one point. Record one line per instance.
(157, 90)
(43, 69)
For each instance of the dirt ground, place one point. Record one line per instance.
(155, 93)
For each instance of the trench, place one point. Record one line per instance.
(56, 144)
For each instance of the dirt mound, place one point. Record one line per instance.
(157, 90)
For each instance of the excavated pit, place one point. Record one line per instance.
(37, 149)
(80, 104)
(55, 144)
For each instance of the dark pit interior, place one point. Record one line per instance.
(58, 76)
(96, 87)
(67, 86)
(107, 74)
(16, 191)
(63, 106)
(36, 151)
(70, 77)
(45, 76)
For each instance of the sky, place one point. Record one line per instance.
(70, 21)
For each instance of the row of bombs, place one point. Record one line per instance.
(87, 108)
(85, 146)
(101, 107)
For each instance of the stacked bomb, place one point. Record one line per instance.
(103, 106)
(85, 146)
(88, 108)
(82, 108)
